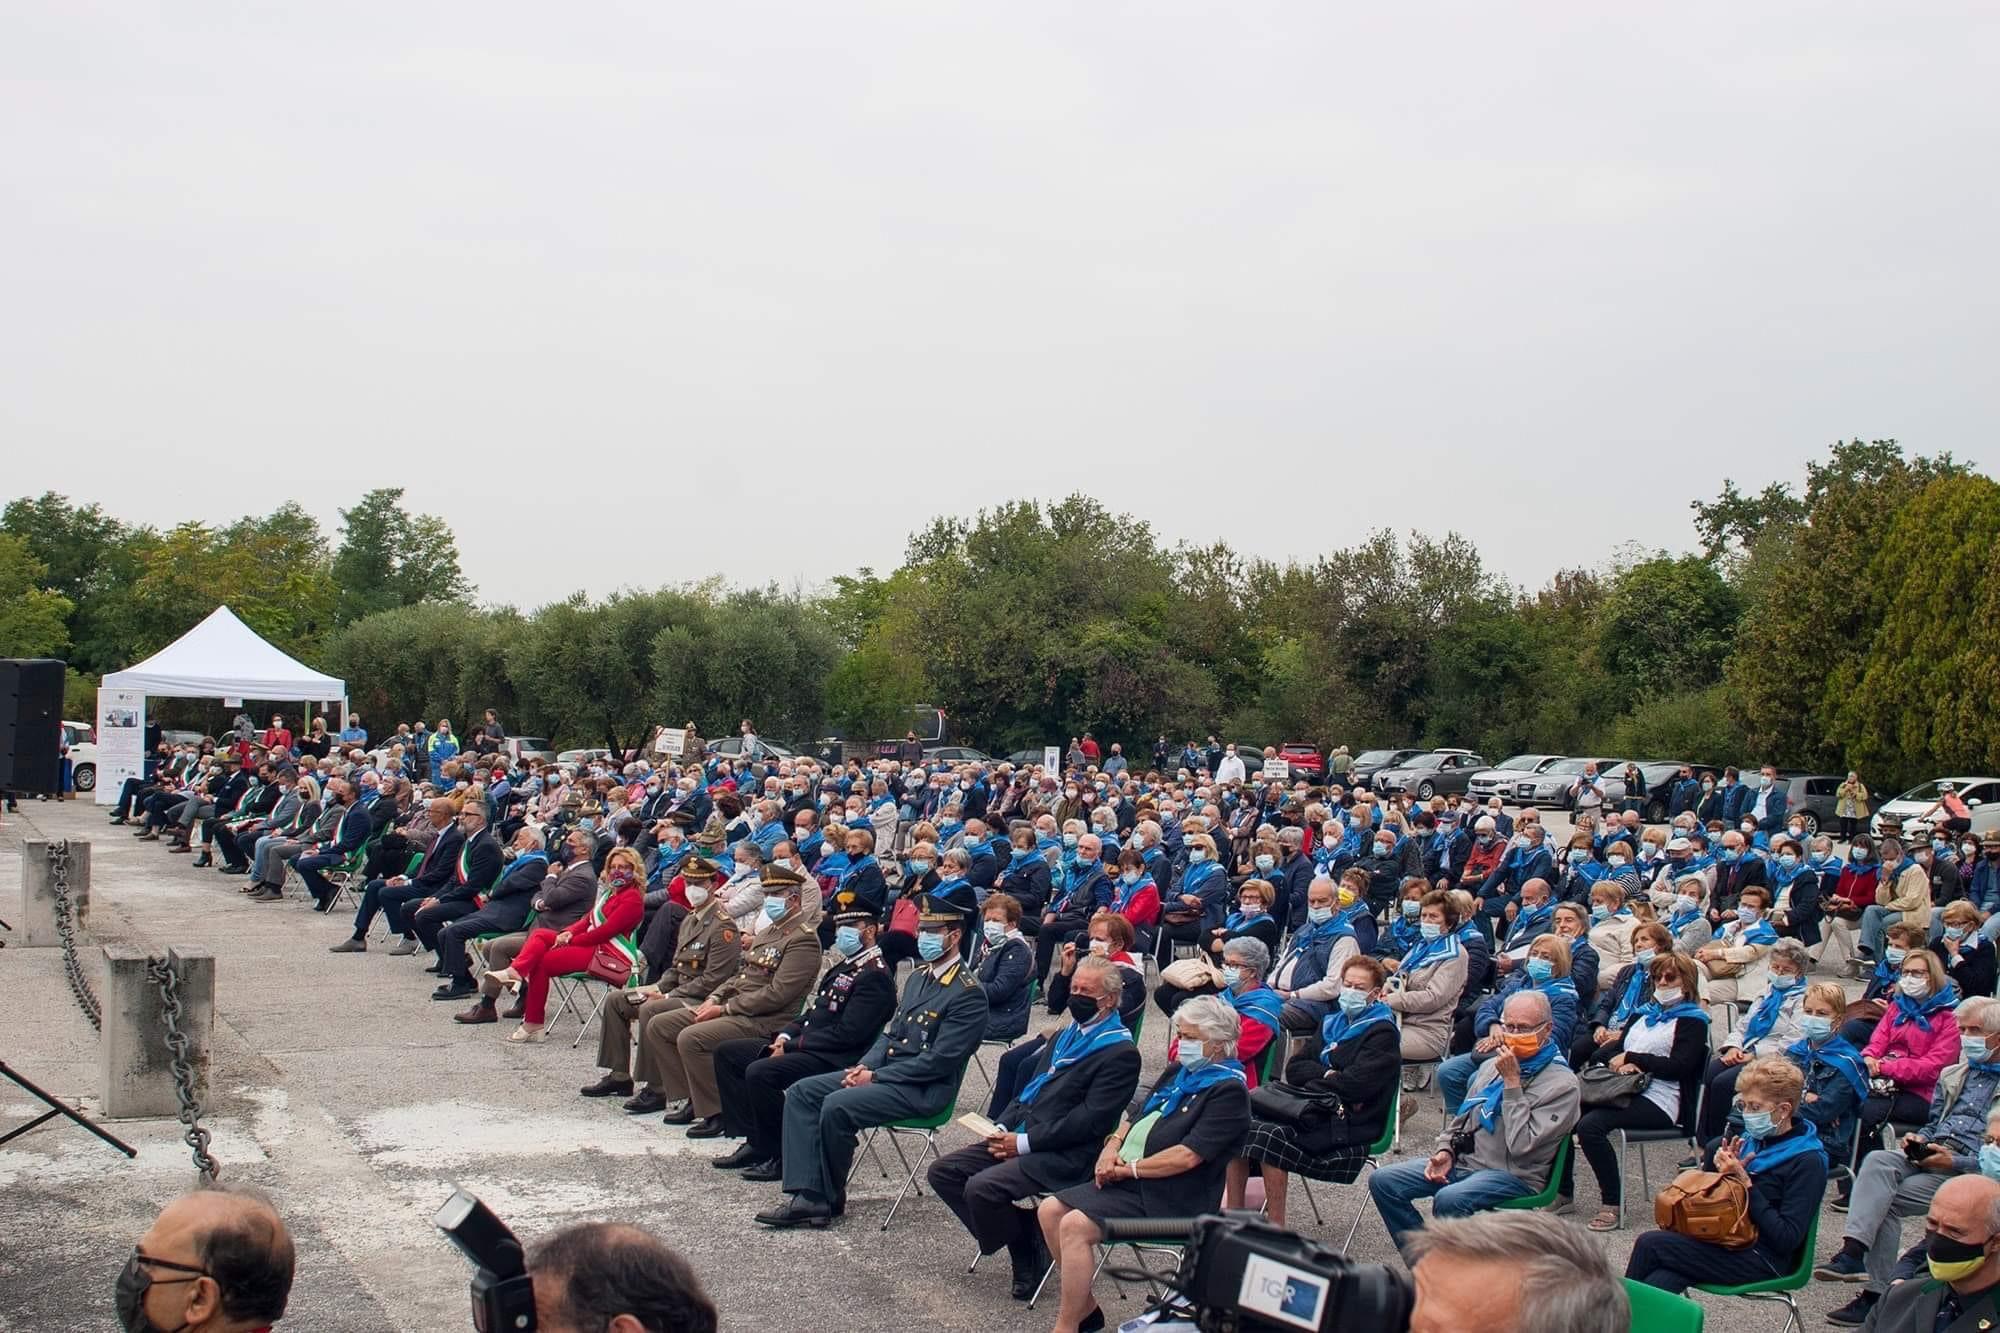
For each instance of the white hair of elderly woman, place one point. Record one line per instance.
(1211, 1016)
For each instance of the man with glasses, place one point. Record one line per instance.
(214, 1261)
(1502, 1144)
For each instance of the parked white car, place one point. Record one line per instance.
(82, 754)
(1911, 806)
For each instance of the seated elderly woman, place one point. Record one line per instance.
(1427, 981)
(600, 943)
(1353, 1080)
(1733, 964)
(1167, 1158)
(1782, 1164)
(1244, 963)
(1769, 1027)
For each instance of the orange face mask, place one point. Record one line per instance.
(1523, 1045)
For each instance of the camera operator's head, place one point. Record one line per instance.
(1512, 1273)
(214, 1261)
(604, 1277)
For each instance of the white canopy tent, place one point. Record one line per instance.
(221, 658)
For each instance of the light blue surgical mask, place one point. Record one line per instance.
(1190, 1054)
(1683, 904)
(1758, 1124)
(1577, 856)
(1780, 981)
(1231, 975)
(1431, 930)
(994, 931)
(774, 908)
(1353, 1001)
(1818, 1027)
(1540, 969)
(1319, 915)
(1746, 914)
(930, 946)
(1954, 932)
(1989, 1160)
(1974, 1049)
(1411, 907)
(1787, 861)
(847, 939)
(1196, 855)
(1895, 956)
(1130, 877)
(1644, 958)
(1600, 913)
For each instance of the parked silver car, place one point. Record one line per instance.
(1506, 776)
(1551, 787)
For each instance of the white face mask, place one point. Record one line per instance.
(1914, 987)
(1667, 998)
(696, 895)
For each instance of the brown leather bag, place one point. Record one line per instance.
(1707, 1205)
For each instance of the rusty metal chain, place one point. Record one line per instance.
(79, 982)
(161, 972)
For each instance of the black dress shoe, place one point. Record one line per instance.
(1028, 1270)
(435, 970)
(682, 1113)
(771, 1169)
(708, 1127)
(455, 992)
(611, 1085)
(743, 1156)
(202, 862)
(236, 870)
(646, 1102)
(798, 1212)
(1092, 1322)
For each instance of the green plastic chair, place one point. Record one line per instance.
(1656, 1311)
(1779, 1288)
(573, 988)
(1548, 1192)
(1377, 1150)
(925, 1127)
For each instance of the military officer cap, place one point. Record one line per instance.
(780, 877)
(856, 919)
(933, 911)
(685, 818)
(710, 837)
(699, 869)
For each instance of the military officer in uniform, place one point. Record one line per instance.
(912, 1070)
(856, 997)
(771, 983)
(710, 946)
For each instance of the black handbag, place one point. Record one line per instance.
(1601, 1085)
(1284, 1104)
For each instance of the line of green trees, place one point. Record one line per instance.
(1851, 622)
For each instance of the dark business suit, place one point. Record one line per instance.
(1066, 1126)
(431, 875)
(471, 876)
(506, 910)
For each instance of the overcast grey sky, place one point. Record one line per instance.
(808, 274)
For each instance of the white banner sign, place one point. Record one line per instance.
(1277, 770)
(672, 741)
(1052, 757)
(121, 741)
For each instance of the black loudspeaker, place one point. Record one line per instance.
(31, 696)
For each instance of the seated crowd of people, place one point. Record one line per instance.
(1313, 948)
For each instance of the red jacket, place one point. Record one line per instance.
(623, 911)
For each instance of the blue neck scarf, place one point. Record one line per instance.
(1655, 1013)
(1532, 924)
(1765, 1016)
(1440, 950)
(1312, 933)
(1681, 920)
(1197, 874)
(1759, 1156)
(1628, 1003)
(1261, 1004)
(1758, 933)
(1838, 1054)
(1338, 1027)
(1239, 923)
(1487, 1099)
(1187, 1083)
(1073, 1044)
(1405, 934)
(1919, 1012)
(1127, 892)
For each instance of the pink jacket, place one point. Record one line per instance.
(1912, 1056)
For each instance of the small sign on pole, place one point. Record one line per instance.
(1277, 770)
(1052, 757)
(671, 741)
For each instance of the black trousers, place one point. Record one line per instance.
(980, 1192)
(430, 921)
(751, 1086)
(389, 856)
(1720, 1080)
(1878, 1111)
(1052, 938)
(1012, 1072)
(232, 851)
(456, 933)
(1172, 933)
(1593, 1135)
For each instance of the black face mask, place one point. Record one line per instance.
(1083, 1009)
(134, 1281)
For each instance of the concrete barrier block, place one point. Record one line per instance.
(137, 1068)
(38, 893)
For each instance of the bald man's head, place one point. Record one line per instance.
(233, 1244)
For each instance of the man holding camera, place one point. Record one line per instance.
(1899, 1183)
(1501, 1145)
(912, 1070)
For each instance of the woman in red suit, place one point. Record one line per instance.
(1137, 898)
(604, 934)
